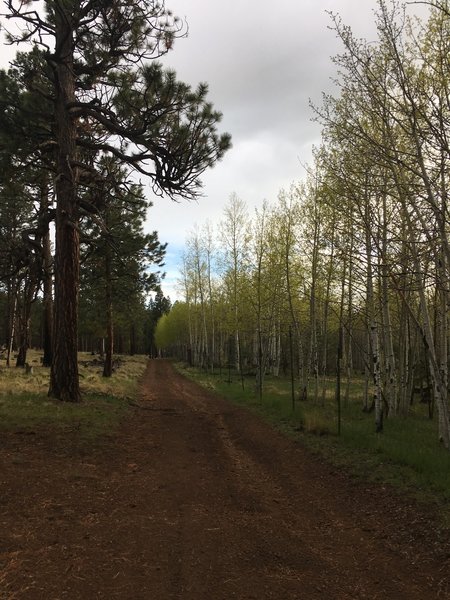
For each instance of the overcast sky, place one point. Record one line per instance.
(263, 61)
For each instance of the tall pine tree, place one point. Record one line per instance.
(108, 99)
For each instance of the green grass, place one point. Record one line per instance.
(26, 408)
(27, 412)
(406, 455)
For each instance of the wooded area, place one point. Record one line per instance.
(307, 362)
(349, 269)
(82, 113)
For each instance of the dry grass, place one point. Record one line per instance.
(122, 384)
(15, 381)
(25, 405)
(316, 423)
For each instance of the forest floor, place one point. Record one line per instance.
(194, 498)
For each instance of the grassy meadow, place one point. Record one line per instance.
(407, 454)
(25, 406)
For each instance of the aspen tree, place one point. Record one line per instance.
(289, 217)
(234, 233)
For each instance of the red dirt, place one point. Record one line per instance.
(197, 499)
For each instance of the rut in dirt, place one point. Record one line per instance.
(198, 499)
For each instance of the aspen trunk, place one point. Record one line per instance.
(313, 366)
(205, 349)
(367, 374)
(276, 353)
(325, 316)
(214, 358)
(439, 385)
(404, 361)
(374, 339)
(443, 305)
(289, 291)
(349, 347)
(390, 377)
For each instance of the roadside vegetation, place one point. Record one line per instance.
(343, 280)
(405, 455)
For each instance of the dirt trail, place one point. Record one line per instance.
(198, 500)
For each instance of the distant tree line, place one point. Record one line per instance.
(133, 327)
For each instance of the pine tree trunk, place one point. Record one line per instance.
(109, 346)
(12, 318)
(47, 282)
(64, 383)
(24, 316)
(133, 348)
(21, 327)
(47, 300)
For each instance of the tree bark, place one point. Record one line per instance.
(373, 334)
(326, 307)
(109, 346)
(24, 315)
(12, 318)
(64, 383)
(48, 301)
(47, 281)
(313, 362)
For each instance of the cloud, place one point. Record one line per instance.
(263, 62)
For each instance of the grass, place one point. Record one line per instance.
(406, 455)
(25, 406)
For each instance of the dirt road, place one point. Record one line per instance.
(196, 499)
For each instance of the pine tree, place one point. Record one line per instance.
(108, 99)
